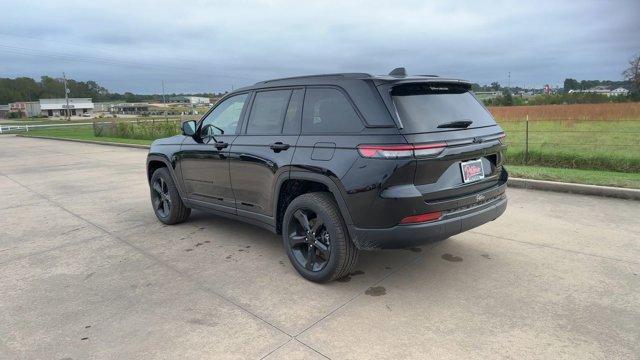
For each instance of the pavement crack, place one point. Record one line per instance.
(312, 349)
(141, 251)
(555, 248)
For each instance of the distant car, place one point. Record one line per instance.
(86, 115)
(338, 163)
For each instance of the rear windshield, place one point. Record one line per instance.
(423, 107)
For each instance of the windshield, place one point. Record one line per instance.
(422, 107)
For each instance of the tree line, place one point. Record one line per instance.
(28, 89)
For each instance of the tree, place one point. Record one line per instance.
(632, 73)
(507, 98)
(495, 86)
(571, 84)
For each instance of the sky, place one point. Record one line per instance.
(211, 46)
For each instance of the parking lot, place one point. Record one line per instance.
(86, 271)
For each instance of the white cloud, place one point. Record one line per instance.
(210, 45)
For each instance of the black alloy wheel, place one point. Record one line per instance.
(160, 197)
(316, 238)
(165, 199)
(309, 240)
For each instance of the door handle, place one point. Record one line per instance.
(279, 146)
(220, 145)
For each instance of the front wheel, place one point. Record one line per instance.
(166, 201)
(316, 239)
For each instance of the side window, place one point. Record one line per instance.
(225, 117)
(327, 110)
(267, 112)
(292, 118)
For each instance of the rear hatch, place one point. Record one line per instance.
(448, 114)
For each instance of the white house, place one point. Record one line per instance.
(58, 107)
(619, 91)
(603, 90)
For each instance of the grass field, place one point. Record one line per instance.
(601, 152)
(602, 112)
(81, 132)
(594, 145)
(592, 177)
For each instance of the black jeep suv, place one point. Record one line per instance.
(338, 163)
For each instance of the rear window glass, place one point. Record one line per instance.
(327, 110)
(423, 107)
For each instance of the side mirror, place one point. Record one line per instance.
(189, 128)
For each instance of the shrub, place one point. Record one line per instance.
(145, 130)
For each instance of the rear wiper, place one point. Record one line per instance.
(458, 124)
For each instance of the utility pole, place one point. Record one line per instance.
(164, 101)
(66, 95)
(509, 82)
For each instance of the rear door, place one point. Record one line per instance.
(449, 113)
(264, 149)
(331, 127)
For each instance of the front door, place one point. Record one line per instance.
(204, 158)
(264, 150)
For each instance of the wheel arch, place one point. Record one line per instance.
(157, 161)
(310, 182)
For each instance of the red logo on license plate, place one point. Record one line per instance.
(472, 170)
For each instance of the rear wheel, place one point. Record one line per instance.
(316, 239)
(165, 199)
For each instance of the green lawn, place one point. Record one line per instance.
(81, 132)
(553, 153)
(595, 145)
(592, 177)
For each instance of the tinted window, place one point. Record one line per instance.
(422, 107)
(292, 118)
(225, 117)
(267, 112)
(328, 111)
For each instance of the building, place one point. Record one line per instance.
(193, 100)
(58, 107)
(603, 90)
(130, 108)
(25, 108)
(4, 111)
(619, 91)
(486, 95)
(199, 100)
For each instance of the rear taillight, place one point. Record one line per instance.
(400, 151)
(432, 216)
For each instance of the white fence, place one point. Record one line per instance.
(4, 129)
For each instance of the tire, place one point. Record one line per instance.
(165, 199)
(332, 253)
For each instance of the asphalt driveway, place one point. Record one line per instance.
(86, 271)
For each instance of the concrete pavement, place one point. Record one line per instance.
(86, 271)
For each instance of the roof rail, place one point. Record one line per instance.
(346, 75)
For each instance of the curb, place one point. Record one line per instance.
(594, 190)
(137, 146)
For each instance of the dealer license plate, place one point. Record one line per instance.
(472, 171)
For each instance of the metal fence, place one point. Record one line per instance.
(612, 145)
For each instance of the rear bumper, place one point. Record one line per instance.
(402, 236)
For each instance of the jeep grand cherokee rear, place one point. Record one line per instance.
(445, 179)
